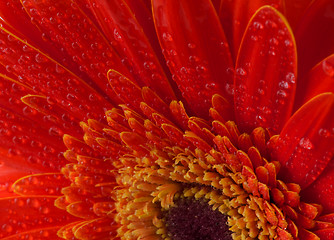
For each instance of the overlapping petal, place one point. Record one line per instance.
(196, 50)
(266, 70)
(235, 15)
(129, 40)
(305, 145)
(314, 36)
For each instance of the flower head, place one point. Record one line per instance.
(166, 119)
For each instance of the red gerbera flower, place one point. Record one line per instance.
(170, 119)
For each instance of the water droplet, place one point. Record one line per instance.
(191, 45)
(254, 38)
(193, 59)
(260, 119)
(54, 131)
(230, 89)
(7, 228)
(44, 210)
(59, 69)
(117, 36)
(201, 69)
(290, 77)
(40, 58)
(273, 41)
(281, 32)
(167, 37)
(242, 87)
(272, 53)
(183, 70)
(258, 25)
(306, 143)
(241, 72)
(288, 43)
(33, 11)
(284, 84)
(172, 52)
(324, 133)
(70, 97)
(10, 38)
(271, 24)
(328, 67)
(210, 86)
(35, 203)
(281, 93)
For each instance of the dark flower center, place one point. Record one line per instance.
(191, 219)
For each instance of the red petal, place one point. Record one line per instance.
(326, 234)
(18, 22)
(50, 78)
(41, 233)
(70, 30)
(141, 9)
(55, 118)
(314, 36)
(307, 235)
(305, 145)
(97, 229)
(222, 107)
(41, 184)
(28, 145)
(265, 72)
(8, 176)
(129, 40)
(126, 90)
(327, 218)
(322, 191)
(319, 80)
(196, 50)
(235, 15)
(293, 10)
(21, 214)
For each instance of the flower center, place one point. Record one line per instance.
(192, 219)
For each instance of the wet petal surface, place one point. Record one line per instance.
(265, 77)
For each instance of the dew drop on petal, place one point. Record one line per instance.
(284, 85)
(241, 72)
(324, 133)
(328, 67)
(230, 89)
(183, 70)
(272, 53)
(7, 228)
(274, 41)
(191, 45)
(258, 25)
(306, 143)
(288, 43)
(117, 36)
(44, 210)
(167, 37)
(148, 65)
(270, 24)
(39, 58)
(35, 203)
(254, 38)
(193, 59)
(281, 94)
(290, 77)
(172, 52)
